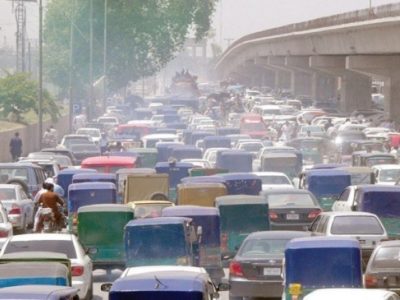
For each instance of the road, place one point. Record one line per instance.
(100, 277)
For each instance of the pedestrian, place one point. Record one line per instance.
(16, 147)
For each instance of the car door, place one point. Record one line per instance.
(314, 225)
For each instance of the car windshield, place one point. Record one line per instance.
(389, 175)
(73, 141)
(387, 258)
(311, 129)
(13, 173)
(58, 246)
(350, 225)
(94, 133)
(284, 200)
(84, 148)
(274, 180)
(262, 247)
(7, 194)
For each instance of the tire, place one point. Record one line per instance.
(21, 183)
(89, 294)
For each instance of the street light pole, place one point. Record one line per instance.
(40, 79)
(105, 56)
(71, 67)
(90, 106)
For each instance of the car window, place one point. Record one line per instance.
(298, 200)
(315, 224)
(13, 173)
(356, 225)
(261, 247)
(274, 180)
(64, 247)
(323, 224)
(345, 195)
(387, 257)
(8, 194)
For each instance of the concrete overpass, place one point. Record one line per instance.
(328, 58)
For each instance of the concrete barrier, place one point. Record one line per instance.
(30, 137)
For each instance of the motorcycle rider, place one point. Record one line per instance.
(51, 200)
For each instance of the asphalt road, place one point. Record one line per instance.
(100, 277)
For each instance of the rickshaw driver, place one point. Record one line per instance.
(51, 200)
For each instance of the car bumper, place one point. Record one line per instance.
(255, 288)
(82, 287)
(15, 220)
(290, 226)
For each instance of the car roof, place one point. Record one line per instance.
(189, 210)
(42, 236)
(33, 291)
(285, 191)
(346, 213)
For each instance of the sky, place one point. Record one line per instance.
(233, 18)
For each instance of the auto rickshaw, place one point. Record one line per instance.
(360, 175)
(146, 187)
(64, 177)
(202, 194)
(160, 241)
(286, 162)
(208, 219)
(96, 177)
(184, 152)
(88, 193)
(147, 157)
(35, 268)
(384, 201)
(104, 241)
(176, 171)
(321, 262)
(217, 142)
(149, 208)
(235, 160)
(325, 184)
(164, 150)
(206, 172)
(109, 164)
(370, 159)
(240, 216)
(163, 284)
(312, 148)
(198, 135)
(122, 175)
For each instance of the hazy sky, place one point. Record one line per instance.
(235, 19)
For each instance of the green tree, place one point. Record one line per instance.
(143, 36)
(18, 95)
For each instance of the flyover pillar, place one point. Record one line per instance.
(281, 77)
(385, 68)
(354, 88)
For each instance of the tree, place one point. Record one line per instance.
(18, 95)
(143, 36)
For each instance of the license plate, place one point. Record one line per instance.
(292, 217)
(272, 271)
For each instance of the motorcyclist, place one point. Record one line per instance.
(51, 200)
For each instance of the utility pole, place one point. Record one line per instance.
(40, 92)
(90, 106)
(105, 56)
(71, 67)
(20, 18)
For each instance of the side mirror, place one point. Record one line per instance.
(199, 231)
(106, 287)
(90, 250)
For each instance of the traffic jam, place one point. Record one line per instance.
(239, 193)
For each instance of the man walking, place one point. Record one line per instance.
(16, 147)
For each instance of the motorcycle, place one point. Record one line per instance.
(47, 222)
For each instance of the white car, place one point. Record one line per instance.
(6, 228)
(142, 270)
(93, 133)
(386, 174)
(351, 294)
(211, 155)
(274, 180)
(68, 244)
(19, 207)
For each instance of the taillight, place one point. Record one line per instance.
(15, 210)
(3, 234)
(77, 270)
(273, 215)
(235, 269)
(224, 242)
(313, 214)
(370, 281)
